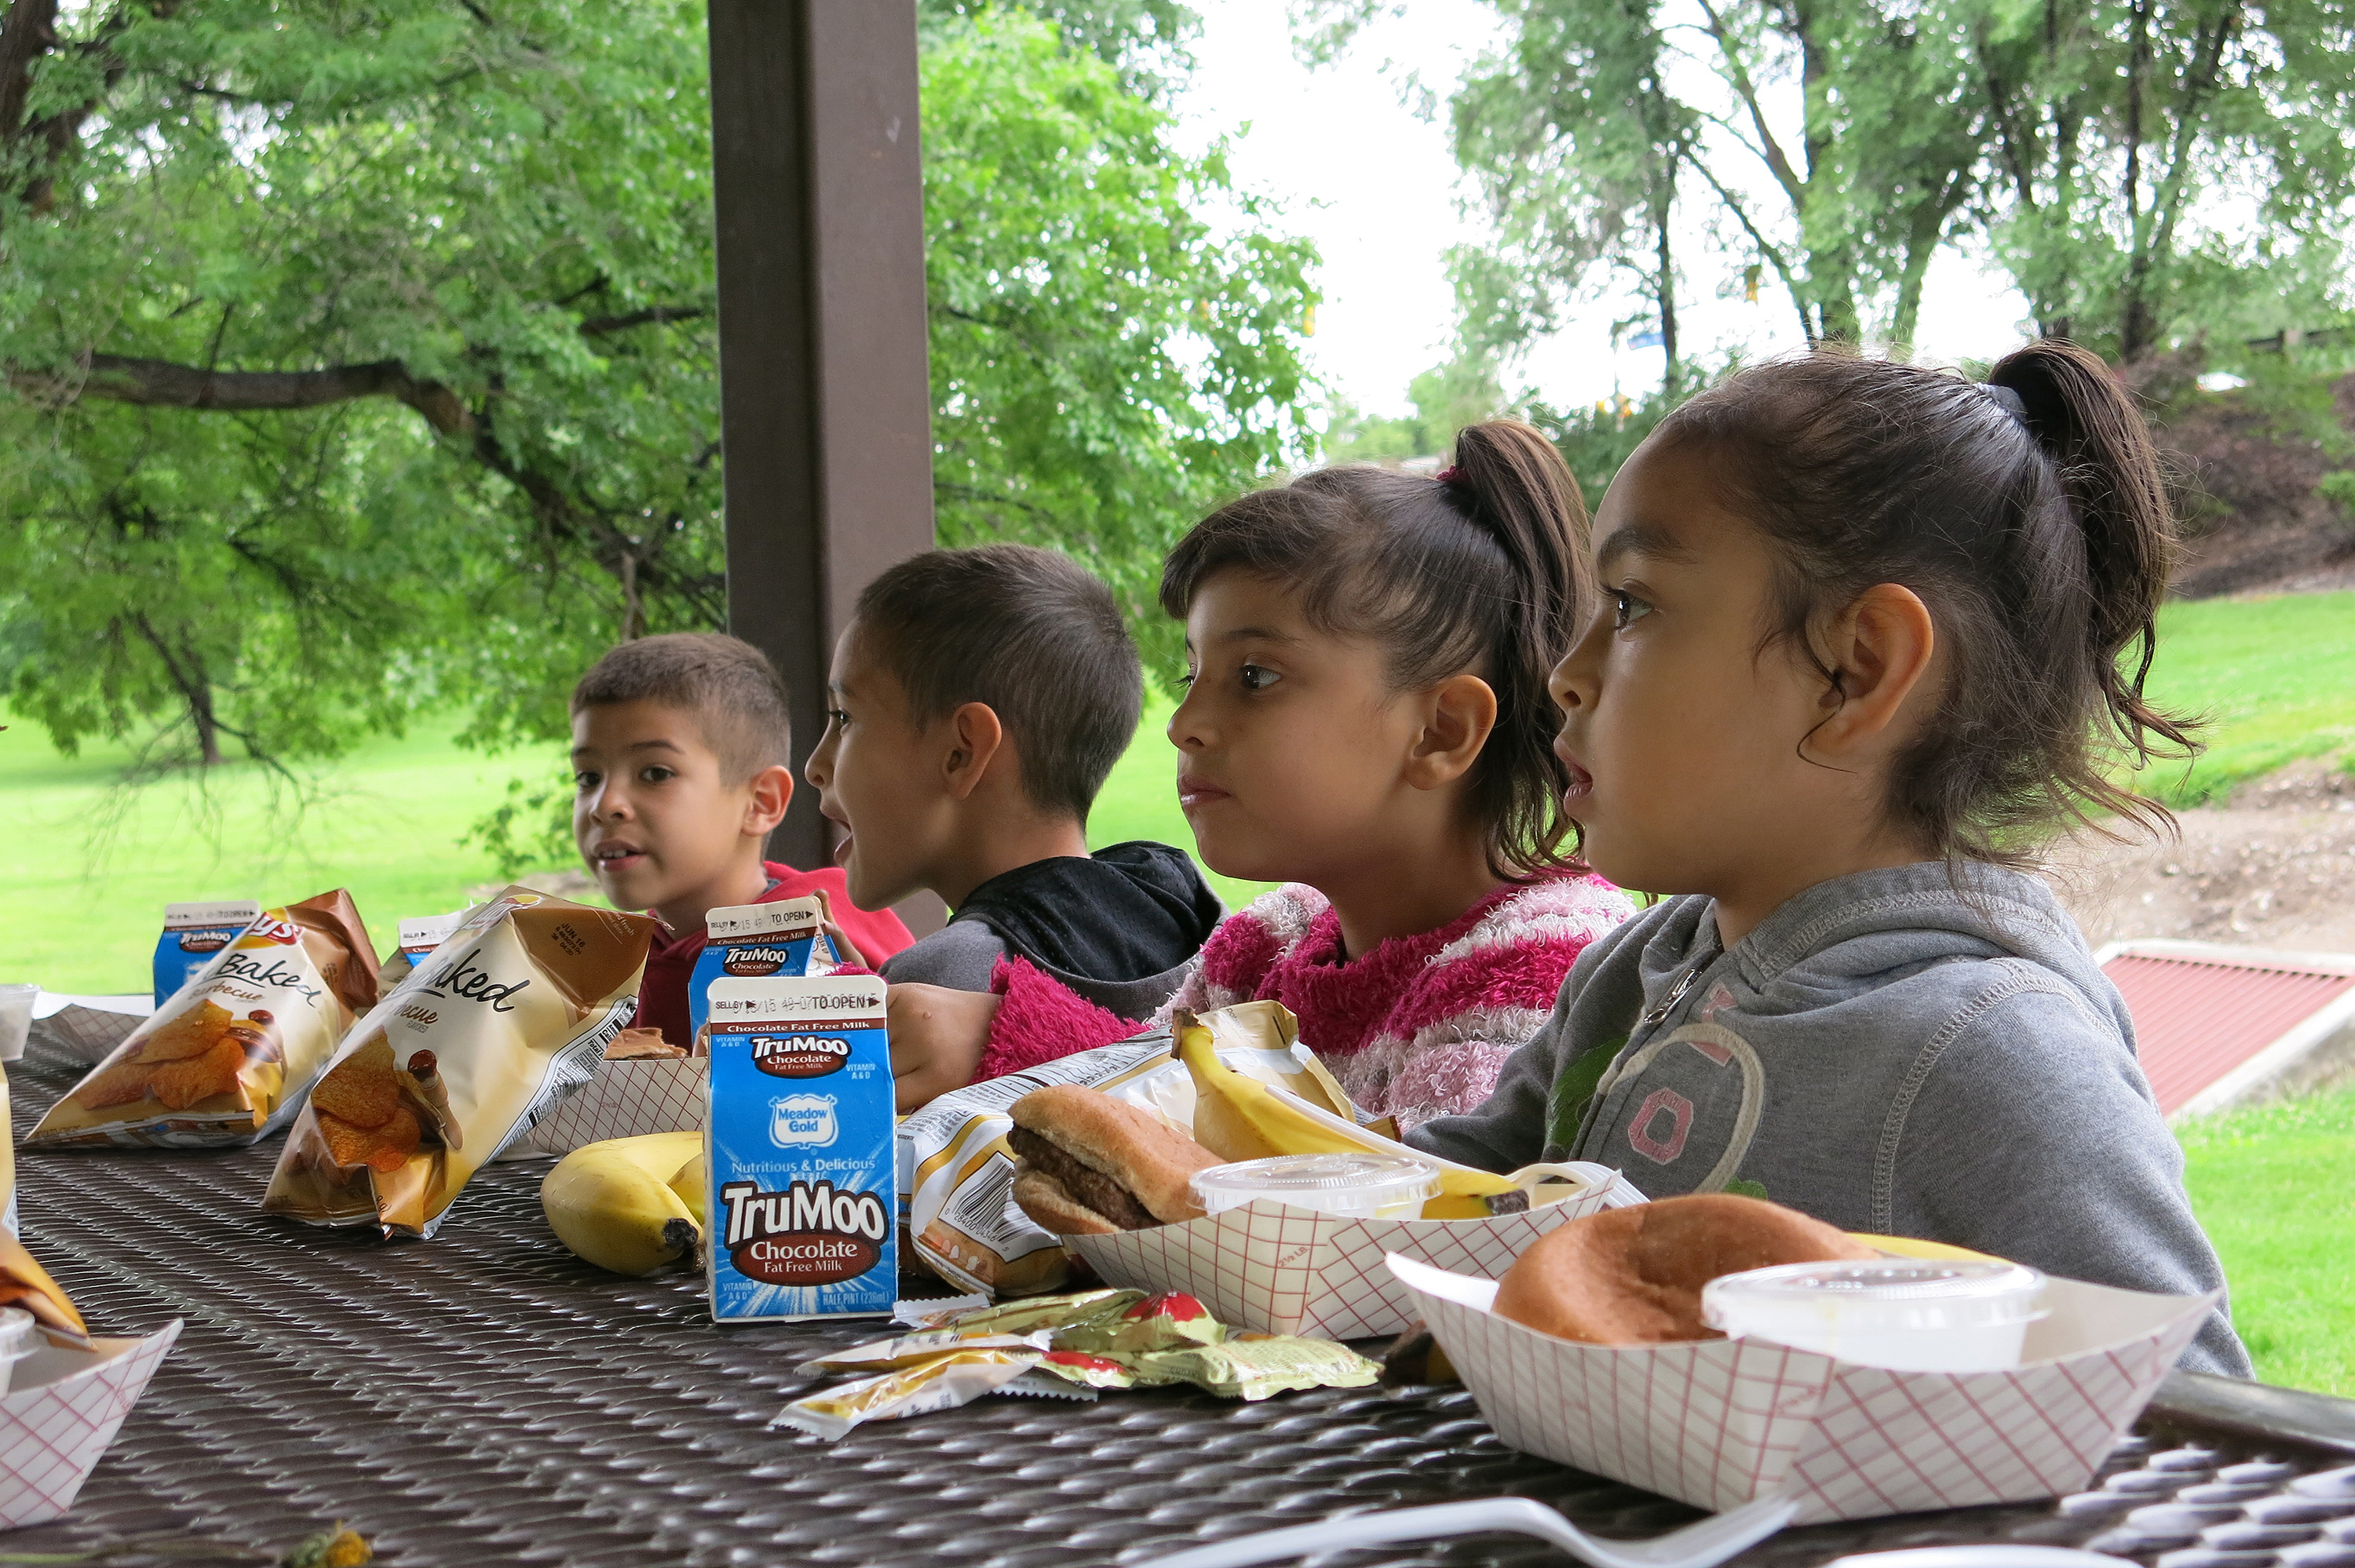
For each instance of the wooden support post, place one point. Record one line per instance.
(826, 400)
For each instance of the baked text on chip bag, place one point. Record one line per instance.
(226, 1059)
(509, 1015)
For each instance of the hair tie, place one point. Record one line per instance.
(2010, 402)
(1450, 474)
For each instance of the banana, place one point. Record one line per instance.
(618, 1203)
(692, 1183)
(1236, 1116)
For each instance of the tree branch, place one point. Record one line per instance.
(655, 315)
(1784, 173)
(157, 383)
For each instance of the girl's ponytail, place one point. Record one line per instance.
(2109, 476)
(1515, 487)
(2028, 514)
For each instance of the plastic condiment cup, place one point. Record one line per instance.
(20, 1337)
(16, 1018)
(1361, 1186)
(1907, 1314)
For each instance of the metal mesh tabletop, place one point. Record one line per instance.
(485, 1398)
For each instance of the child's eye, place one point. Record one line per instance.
(837, 719)
(1626, 609)
(1259, 678)
(657, 773)
(584, 781)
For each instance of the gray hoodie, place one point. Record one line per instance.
(1884, 1053)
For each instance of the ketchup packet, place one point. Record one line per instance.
(226, 1059)
(941, 1383)
(1100, 1372)
(507, 1017)
(1168, 1321)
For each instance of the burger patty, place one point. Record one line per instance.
(1086, 1185)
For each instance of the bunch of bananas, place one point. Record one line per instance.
(630, 1204)
(1237, 1116)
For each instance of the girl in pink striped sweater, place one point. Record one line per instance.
(1365, 720)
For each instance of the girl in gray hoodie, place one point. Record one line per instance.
(1868, 631)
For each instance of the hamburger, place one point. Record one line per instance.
(1633, 1275)
(1093, 1165)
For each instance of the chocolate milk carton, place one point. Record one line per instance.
(755, 942)
(193, 932)
(800, 1133)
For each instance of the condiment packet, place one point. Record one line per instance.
(1168, 1321)
(912, 1349)
(932, 1311)
(1021, 1317)
(943, 1382)
(1100, 1372)
(1253, 1369)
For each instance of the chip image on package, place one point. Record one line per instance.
(805, 1199)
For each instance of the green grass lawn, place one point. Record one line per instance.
(2275, 677)
(2275, 1187)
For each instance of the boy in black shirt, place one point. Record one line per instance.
(977, 701)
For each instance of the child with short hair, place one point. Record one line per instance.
(1365, 721)
(978, 700)
(680, 751)
(1860, 644)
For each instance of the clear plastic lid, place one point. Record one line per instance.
(20, 1335)
(1897, 1293)
(1349, 1183)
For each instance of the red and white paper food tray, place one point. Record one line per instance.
(625, 1099)
(58, 1419)
(1716, 1423)
(87, 1027)
(1270, 1269)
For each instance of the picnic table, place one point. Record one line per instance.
(485, 1398)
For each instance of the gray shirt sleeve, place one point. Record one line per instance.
(959, 955)
(2032, 1137)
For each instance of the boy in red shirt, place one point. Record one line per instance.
(681, 768)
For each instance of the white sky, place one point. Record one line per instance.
(1376, 188)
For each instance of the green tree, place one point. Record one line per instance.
(366, 354)
(2157, 168)
(1467, 388)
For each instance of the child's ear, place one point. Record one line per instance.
(1881, 647)
(1457, 716)
(772, 792)
(974, 738)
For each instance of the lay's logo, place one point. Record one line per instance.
(269, 932)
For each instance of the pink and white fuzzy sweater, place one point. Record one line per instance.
(1420, 1026)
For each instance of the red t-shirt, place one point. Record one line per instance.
(662, 995)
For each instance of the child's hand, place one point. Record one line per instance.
(844, 949)
(937, 1039)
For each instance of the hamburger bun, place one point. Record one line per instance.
(1633, 1275)
(1093, 1164)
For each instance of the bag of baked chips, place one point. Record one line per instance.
(509, 1015)
(226, 1057)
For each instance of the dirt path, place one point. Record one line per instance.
(2273, 867)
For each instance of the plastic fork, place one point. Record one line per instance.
(1704, 1544)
